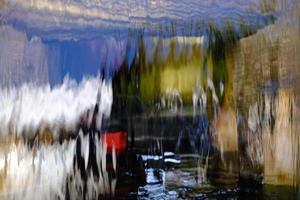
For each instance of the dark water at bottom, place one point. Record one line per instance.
(187, 176)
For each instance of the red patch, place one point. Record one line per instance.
(116, 139)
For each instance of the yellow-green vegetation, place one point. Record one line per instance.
(180, 63)
(173, 72)
(151, 80)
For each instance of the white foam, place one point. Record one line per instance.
(45, 171)
(37, 173)
(28, 107)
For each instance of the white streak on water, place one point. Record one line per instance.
(41, 171)
(85, 147)
(28, 107)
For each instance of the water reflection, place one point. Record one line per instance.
(206, 113)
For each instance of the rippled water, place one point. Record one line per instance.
(187, 180)
(205, 96)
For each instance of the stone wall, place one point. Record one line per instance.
(266, 77)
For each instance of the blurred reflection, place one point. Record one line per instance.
(207, 112)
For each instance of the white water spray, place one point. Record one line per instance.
(40, 171)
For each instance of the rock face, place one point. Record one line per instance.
(266, 91)
(25, 60)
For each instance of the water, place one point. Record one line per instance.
(34, 163)
(206, 95)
